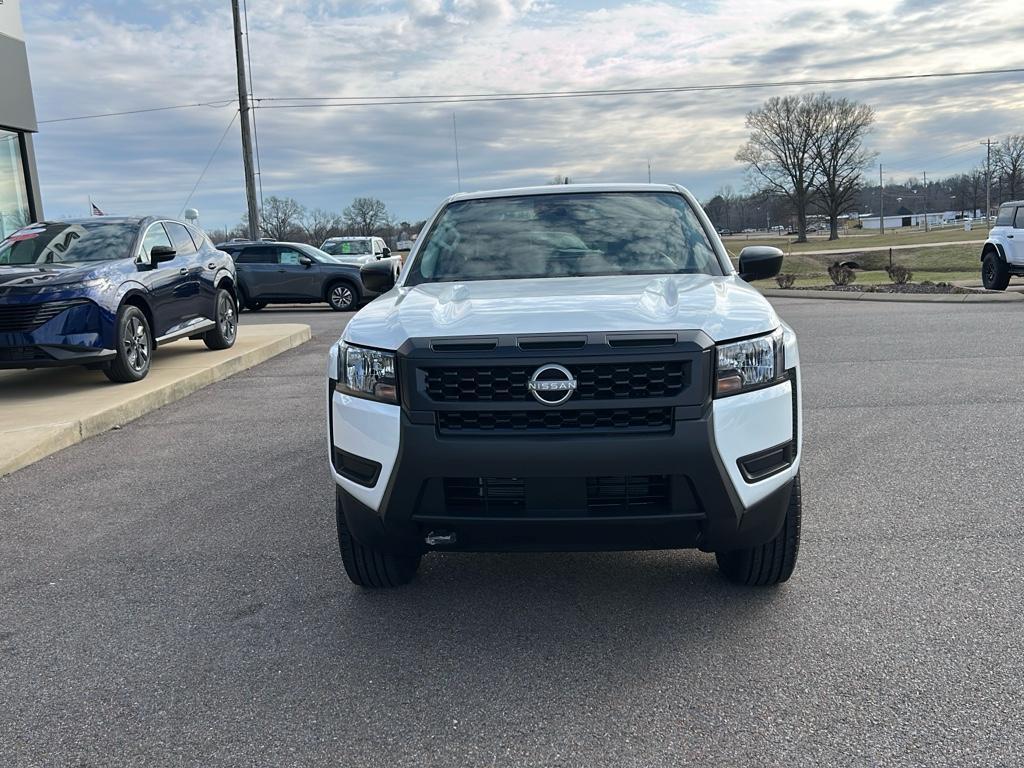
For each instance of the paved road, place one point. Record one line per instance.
(170, 593)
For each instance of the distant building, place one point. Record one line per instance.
(20, 203)
(897, 220)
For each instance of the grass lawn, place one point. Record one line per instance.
(951, 259)
(852, 242)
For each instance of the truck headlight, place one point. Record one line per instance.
(749, 364)
(368, 373)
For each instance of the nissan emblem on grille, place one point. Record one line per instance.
(551, 384)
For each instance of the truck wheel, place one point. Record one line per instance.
(372, 568)
(223, 334)
(134, 347)
(771, 563)
(341, 296)
(995, 274)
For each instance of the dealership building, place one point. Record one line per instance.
(19, 188)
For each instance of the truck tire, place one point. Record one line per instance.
(772, 563)
(995, 274)
(372, 568)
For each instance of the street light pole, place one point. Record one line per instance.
(243, 108)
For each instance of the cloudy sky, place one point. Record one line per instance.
(93, 57)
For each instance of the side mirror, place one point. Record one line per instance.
(159, 253)
(305, 261)
(760, 262)
(377, 276)
(386, 252)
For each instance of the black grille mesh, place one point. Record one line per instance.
(603, 496)
(19, 318)
(655, 419)
(596, 381)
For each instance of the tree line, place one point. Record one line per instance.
(806, 154)
(285, 219)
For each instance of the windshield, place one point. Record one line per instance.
(66, 243)
(349, 248)
(563, 235)
(320, 255)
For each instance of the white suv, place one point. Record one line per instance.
(569, 367)
(1003, 252)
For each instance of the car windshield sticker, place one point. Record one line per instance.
(346, 247)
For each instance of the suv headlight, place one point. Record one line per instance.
(368, 373)
(750, 364)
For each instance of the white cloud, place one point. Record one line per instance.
(143, 54)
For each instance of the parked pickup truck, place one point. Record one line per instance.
(573, 367)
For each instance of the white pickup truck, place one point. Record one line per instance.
(573, 367)
(1002, 256)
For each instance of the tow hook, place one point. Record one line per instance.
(440, 538)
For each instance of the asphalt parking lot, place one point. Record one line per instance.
(171, 592)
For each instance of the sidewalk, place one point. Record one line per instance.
(45, 410)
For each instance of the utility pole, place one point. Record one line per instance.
(648, 170)
(924, 191)
(988, 181)
(243, 108)
(881, 201)
(455, 135)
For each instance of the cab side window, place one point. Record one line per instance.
(1019, 223)
(1005, 217)
(180, 237)
(155, 235)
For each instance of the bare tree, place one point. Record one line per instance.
(281, 217)
(319, 224)
(366, 215)
(838, 153)
(1008, 163)
(779, 153)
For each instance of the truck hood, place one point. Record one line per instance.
(723, 307)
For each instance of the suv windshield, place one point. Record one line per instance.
(65, 243)
(349, 248)
(565, 235)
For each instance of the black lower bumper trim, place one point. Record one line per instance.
(51, 356)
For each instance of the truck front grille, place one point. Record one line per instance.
(596, 381)
(515, 422)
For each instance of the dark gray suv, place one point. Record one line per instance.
(293, 273)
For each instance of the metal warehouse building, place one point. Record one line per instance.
(19, 189)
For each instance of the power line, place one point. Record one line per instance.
(376, 100)
(209, 162)
(372, 101)
(217, 104)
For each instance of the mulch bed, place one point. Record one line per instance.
(893, 288)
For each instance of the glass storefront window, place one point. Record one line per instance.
(14, 210)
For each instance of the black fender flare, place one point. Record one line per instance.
(998, 247)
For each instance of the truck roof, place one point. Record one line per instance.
(564, 189)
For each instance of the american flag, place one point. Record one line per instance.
(96, 209)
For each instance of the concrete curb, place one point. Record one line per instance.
(924, 298)
(46, 439)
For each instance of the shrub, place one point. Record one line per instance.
(785, 279)
(841, 274)
(899, 274)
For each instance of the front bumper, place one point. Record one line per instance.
(41, 334)
(711, 487)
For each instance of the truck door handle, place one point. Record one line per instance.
(212, 265)
(1010, 236)
(183, 271)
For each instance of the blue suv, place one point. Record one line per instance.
(104, 292)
